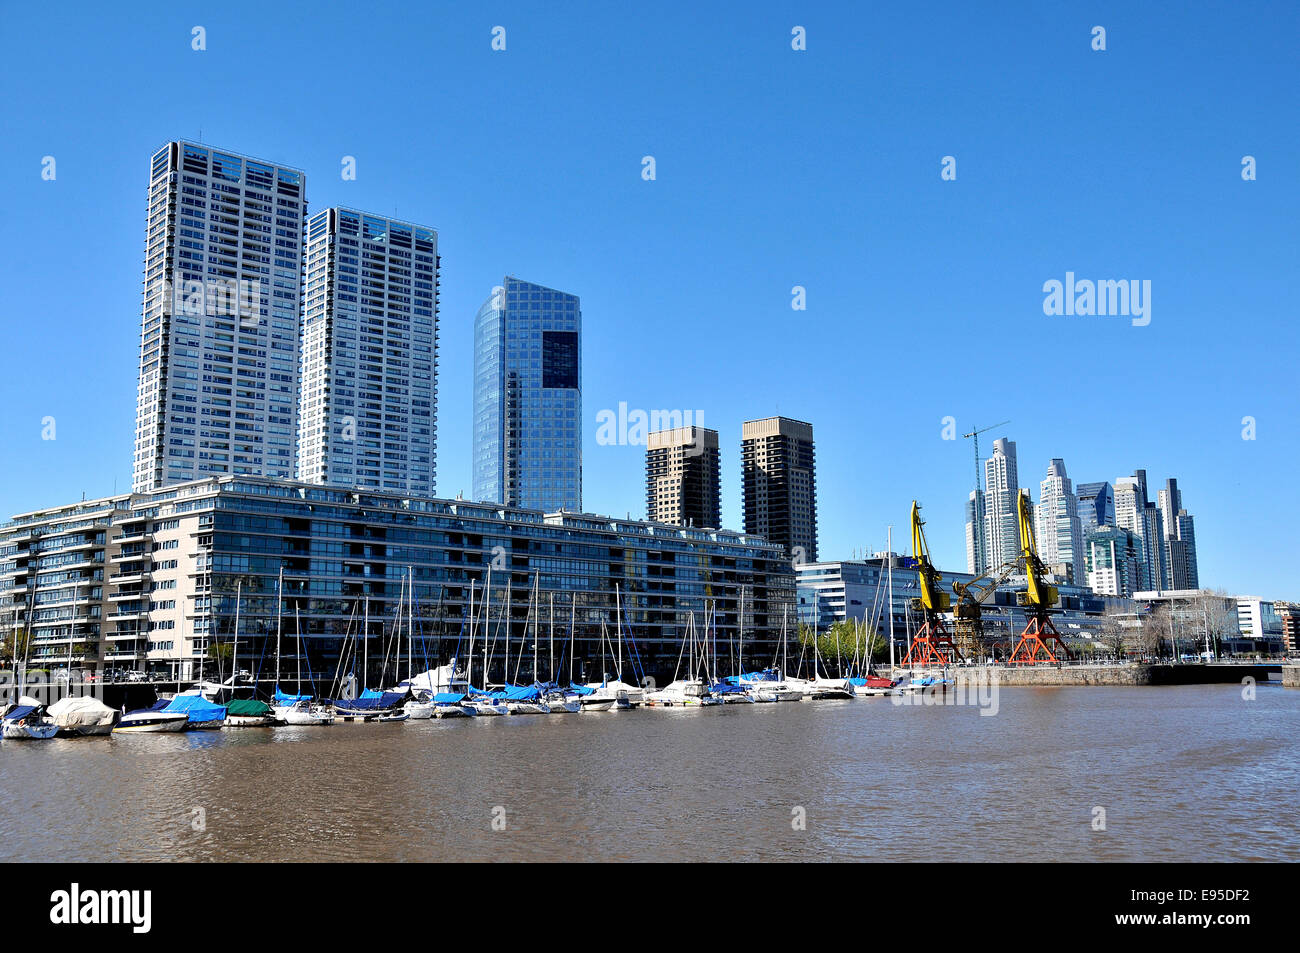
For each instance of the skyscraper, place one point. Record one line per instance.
(1096, 506)
(1001, 516)
(368, 414)
(682, 477)
(218, 386)
(1056, 522)
(779, 479)
(1114, 561)
(976, 542)
(528, 398)
(1180, 539)
(1135, 513)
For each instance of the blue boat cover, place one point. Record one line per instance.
(856, 681)
(370, 701)
(580, 689)
(448, 698)
(367, 693)
(197, 707)
(22, 711)
(521, 693)
(281, 698)
(722, 688)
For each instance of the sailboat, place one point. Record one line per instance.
(689, 692)
(620, 695)
(27, 721)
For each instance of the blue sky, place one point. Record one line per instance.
(775, 168)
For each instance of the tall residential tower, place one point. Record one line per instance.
(368, 416)
(780, 484)
(682, 477)
(218, 385)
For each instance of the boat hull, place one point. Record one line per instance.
(28, 731)
(152, 724)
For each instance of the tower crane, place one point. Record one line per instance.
(932, 645)
(1040, 633)
(979, 485)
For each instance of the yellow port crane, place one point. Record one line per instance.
(968, 611)
(1040, 633)
(932, 645)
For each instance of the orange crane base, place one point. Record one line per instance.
(932, 646)
(1035, 644)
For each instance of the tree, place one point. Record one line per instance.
(15, 645)
(1156, 629)
(845, 641)
(1113, 633)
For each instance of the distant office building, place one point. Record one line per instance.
(1288, 614)
(682, 477)
(1001, 516)
(1135, 513)
(1096, 506)
(528, 398)
(780, 483)
(1056, 522)
(218, 384)
(1113, 561)
(1180, 539)
(368, 414)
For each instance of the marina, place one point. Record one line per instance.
(1190, 773)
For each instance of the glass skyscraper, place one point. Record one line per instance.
(218, 386)
(369, 410)
(528, 398)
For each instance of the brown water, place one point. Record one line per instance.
(1194, 773)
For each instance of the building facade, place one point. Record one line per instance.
(1113, 561)
(1001, 517)
(1096, 507)
(528, 398)
(307, 566)
(368, 415)
(218, 373)
(682, 476)
(779, 483)
(1056, 523)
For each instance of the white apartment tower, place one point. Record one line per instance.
(368, 416)
(1056, 522)
(218, 385)
(1001, 519)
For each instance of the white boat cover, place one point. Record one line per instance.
(81, 713)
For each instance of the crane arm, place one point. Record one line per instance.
(933, 598)
(1040, 594)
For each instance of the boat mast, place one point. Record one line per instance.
(297, 632)
(234, 651)
(487, 619)
(573, 612)
(365, 642)
(469, 652)
(279, 620)
(410, 625)
(618, 625)
(550, 634)
(889, 602)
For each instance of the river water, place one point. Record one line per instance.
(1194, 773)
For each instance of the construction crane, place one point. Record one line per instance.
(932, 645)
(1036, 640)
(979, 484)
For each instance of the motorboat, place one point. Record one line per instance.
(248, 713)
(151, 721)
(79, 717)
(304, 713)
(683, 693)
